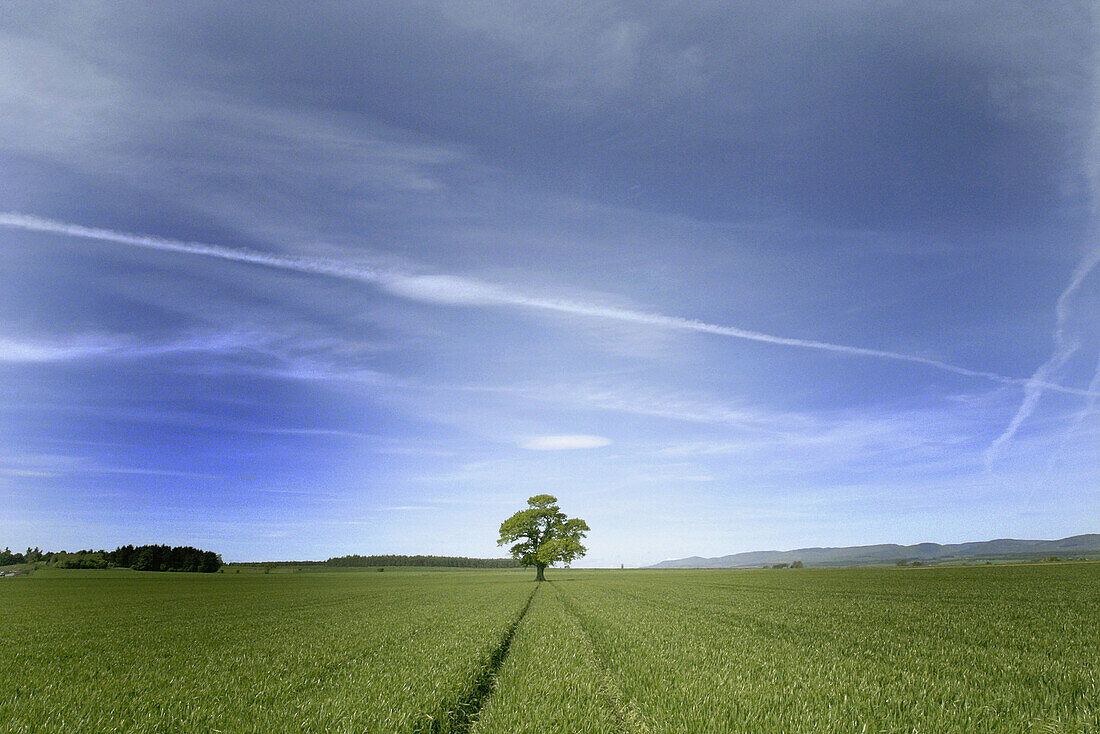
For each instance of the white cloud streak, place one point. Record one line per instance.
(1090, 404)
(1065, 345)
(19, 351)
(1064, 348)
(454, 290)
(109, 346)
(465, 291)
(1093, 174)
(253, 257)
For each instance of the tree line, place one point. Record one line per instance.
(139, 558)
(451, 561)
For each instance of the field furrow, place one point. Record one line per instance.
(461, 714)
(550, 683)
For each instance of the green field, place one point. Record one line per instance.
(968, 649)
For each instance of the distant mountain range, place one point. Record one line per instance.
(880, 555)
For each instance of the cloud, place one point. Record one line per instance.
(1065, 344)
(253, 257)
(565, 442)
(1093, 173)
(685, 324)
(456, 290)
(1088, 408)
(56, 465)
(637, 399)
(447, 289)
(113, 346)
(78, 347)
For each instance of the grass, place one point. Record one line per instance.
(124, 651)
(551, 683)
(996, 649)
(979, 649)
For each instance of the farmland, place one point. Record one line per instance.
(99, 651)
(992, 649)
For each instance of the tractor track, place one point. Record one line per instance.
(459, 716)
(630, 719)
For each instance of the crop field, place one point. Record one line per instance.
(938, 650)
(123, 651)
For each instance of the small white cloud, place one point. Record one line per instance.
(445, 289)
(559, 443)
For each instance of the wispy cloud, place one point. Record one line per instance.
(464, 291)
(637, 399)
(1065, 344)
(77, 347)
(1034, 387)
(455, 290)
(1093, 175)
(253, 257)
(1088, 408)
(19, 350)
(56, 465)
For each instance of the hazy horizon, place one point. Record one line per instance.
(359, 279)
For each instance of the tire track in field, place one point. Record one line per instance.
(630, 719)
(459, 716)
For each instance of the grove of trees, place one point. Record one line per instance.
(139, 558)
(450, 561)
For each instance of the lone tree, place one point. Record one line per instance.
(546, 535)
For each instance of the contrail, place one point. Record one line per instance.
(465, 291)
(1086, 410)
(1093, 175)
(684, 324)
(1094, 388)
(1064, 347)
(281, 262)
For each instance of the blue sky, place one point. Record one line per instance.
(360, 278)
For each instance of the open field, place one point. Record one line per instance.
(105, 651)
(980, 649)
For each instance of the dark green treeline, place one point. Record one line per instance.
(139, 558)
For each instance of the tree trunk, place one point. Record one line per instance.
(539, 567)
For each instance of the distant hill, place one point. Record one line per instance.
(879, 555)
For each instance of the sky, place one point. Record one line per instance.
(296, 281)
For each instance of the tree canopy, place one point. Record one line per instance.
(546, 536)
(140, 558)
